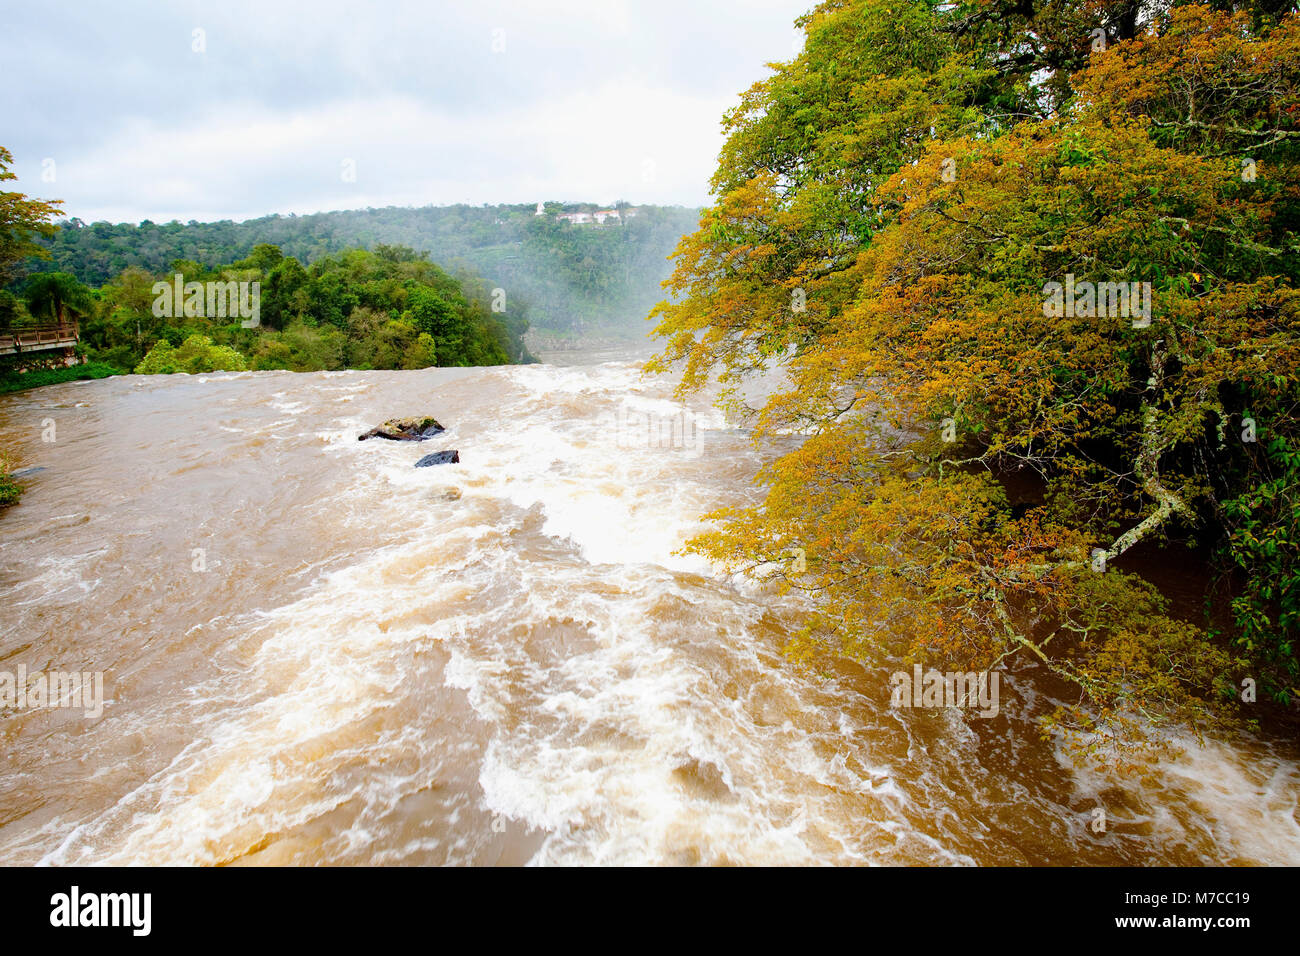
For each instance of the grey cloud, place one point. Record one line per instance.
(91, 80)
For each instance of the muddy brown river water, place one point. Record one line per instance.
(315, 653)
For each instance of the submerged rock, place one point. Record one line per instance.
(439, 458)
(405, 429)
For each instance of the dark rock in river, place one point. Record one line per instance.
(439, 458)
(405, 429)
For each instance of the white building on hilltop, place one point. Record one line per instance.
(599, 217)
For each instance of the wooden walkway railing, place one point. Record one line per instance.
(33, 338)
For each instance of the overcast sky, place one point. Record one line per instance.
(126, 113)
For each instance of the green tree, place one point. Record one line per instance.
(22, 220)
(57, 296)
(196, 354)
(421, 354)
(281, 299)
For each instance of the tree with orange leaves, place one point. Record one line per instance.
(1030, 271)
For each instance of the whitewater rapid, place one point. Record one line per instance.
(315, 653)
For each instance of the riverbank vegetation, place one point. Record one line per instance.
(982, 465)
(17, 381)
(390, 308)
(10, 490)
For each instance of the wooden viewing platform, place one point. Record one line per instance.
(38, 338)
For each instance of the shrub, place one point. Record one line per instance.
(196, 354)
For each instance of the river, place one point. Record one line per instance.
(315, 653)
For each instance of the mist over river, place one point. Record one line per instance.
(497, 661)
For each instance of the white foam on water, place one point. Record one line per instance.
(1244, 802)
(62, 578)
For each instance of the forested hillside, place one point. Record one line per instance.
(388, 309)
(574, 279)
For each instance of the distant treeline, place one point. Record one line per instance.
(572, 278)
(386, 309)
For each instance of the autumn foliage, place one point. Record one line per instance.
(890, 207)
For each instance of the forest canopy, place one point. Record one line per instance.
(900, 215)
(389, 309)
(575, 279)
